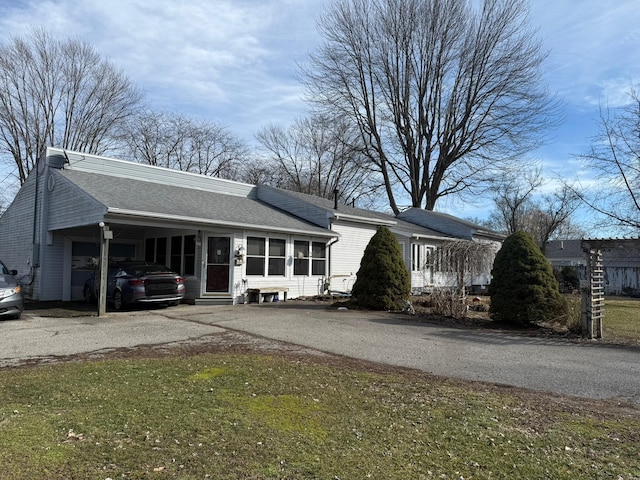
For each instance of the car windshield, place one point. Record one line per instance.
(3, 270)
(147, 269)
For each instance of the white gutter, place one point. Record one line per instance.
(367, 221)
(418, 236)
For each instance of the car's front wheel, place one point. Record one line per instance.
(117, 300)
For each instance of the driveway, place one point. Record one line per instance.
(582, 369)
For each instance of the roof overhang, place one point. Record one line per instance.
(134, 217)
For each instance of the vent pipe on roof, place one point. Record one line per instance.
(335, 199)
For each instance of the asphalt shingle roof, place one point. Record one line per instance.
(328, 206)
(169, 200)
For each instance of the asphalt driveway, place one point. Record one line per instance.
(582, 369)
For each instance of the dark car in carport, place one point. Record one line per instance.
(11, 295)
(132, 283)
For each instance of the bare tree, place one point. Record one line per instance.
(316, 155)
(183, 143)
(552, 218)
(457, 262)
(544, 218)
(443, 95)
(58, 93)
(615, 158)
(512, 199)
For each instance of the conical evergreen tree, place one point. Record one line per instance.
(524, 289)
(383, 281)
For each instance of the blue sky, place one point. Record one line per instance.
(236, 61)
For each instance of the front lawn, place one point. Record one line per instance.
(257, 416)
(622, 319)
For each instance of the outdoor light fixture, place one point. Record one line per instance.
(239, 255)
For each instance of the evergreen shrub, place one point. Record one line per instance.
(524, 289)
(383, 281)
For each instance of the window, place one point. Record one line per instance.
(256, 255)
(300, 258)
(306, 254)
(155, 250)
(176, 254)
(416, 257)
(161, 250)
(429, 263)
(150, 250)
(269, 252)
(189, 253)
(277, 259)
(319, 258)
(182, 253)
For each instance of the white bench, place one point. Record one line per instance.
(258, 294)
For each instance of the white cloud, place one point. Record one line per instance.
(593, 47)
(228, 60)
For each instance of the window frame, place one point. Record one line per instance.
(416, 257)
(271, 265)
(185, 255)
(305, 264)
(276, 260)
(256, 260)
(318, 260)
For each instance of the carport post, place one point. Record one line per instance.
(103, 268)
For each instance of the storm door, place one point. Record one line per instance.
(218, 264)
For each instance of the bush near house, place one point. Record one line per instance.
(383, 281)
(523, 289)
(567, 278)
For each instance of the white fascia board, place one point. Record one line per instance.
(358, 219)
(441, 238)
(118, 213)
(491, 236)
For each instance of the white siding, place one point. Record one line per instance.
(297, 285)
(347, 252)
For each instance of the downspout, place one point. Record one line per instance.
(334, 240)
(330, 243)
(35, 246)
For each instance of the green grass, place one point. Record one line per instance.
(622, 318)
(224, 416)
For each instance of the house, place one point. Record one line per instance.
(477, 250)
(226, 238)
(421, 234)
(620, 262)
